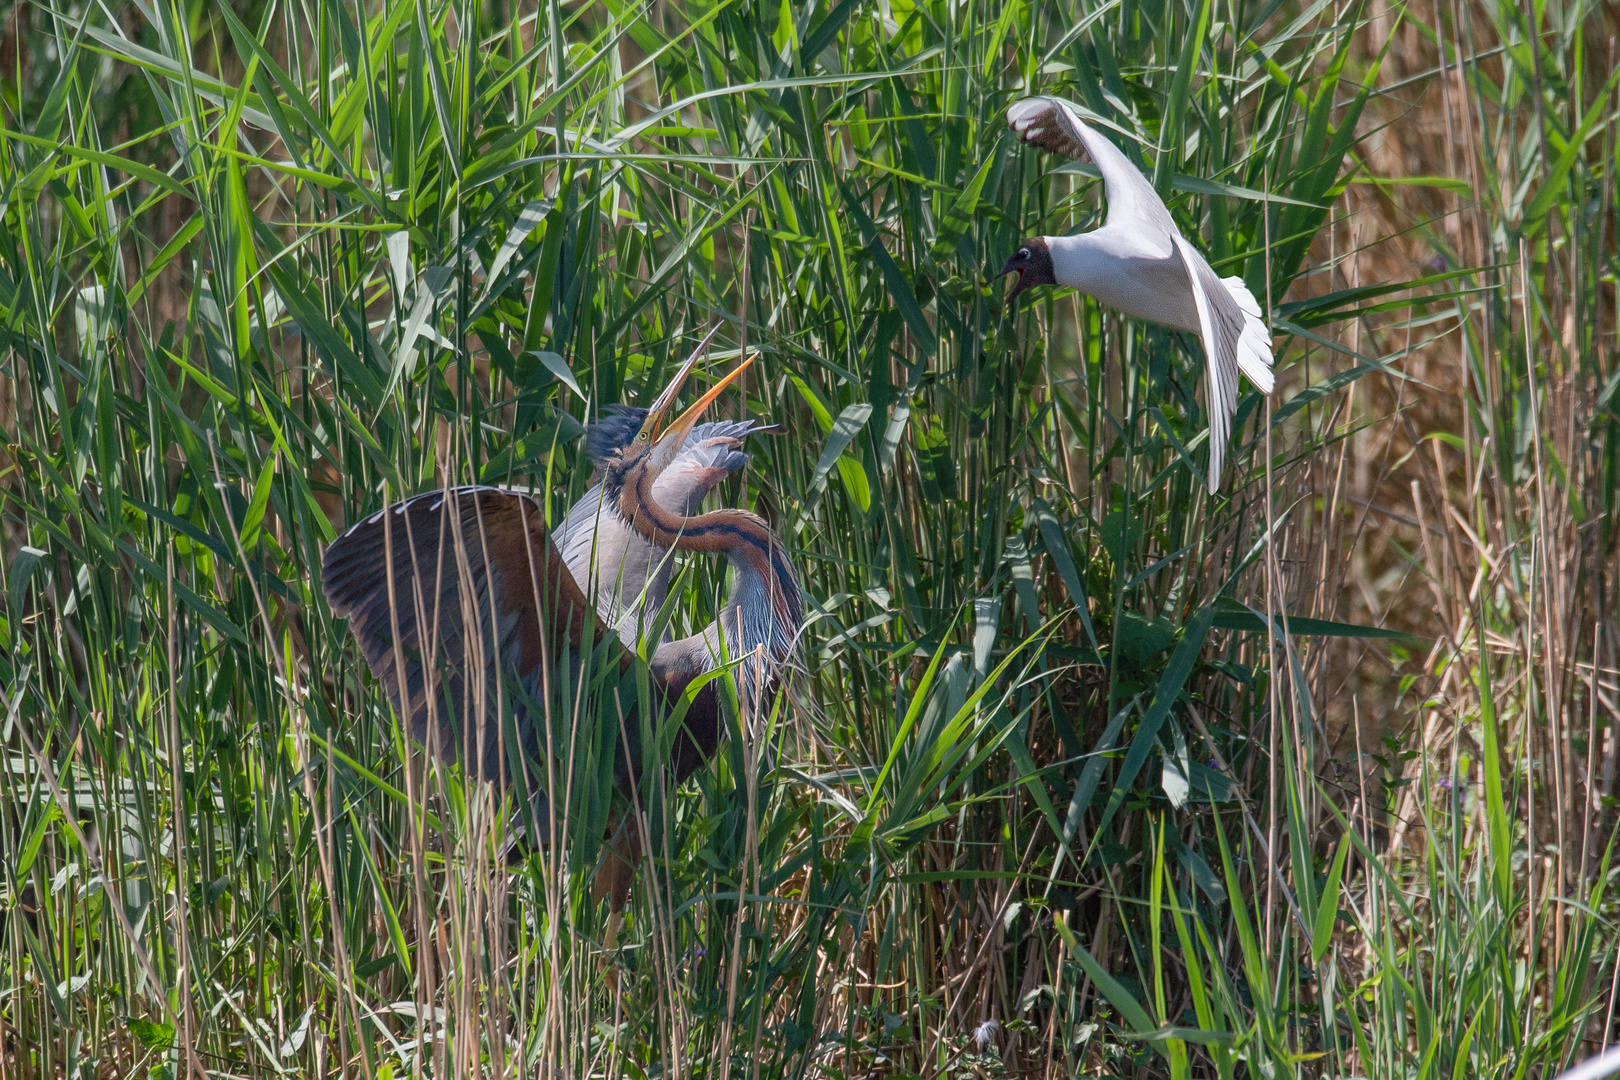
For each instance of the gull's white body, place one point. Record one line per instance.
(1140, 263)
(1117, 269)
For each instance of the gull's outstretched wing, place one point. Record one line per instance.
(1220, 361)
(1053, 125)
(452, 593)
(1234, 338)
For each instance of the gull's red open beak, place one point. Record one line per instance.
(1011, 268)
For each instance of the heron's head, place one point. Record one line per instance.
(612, 432)
(659, 439)
(1032, 262)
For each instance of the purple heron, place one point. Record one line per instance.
(465, 608)
(627, 573)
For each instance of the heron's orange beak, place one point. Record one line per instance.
(687, 420)
(654, 426)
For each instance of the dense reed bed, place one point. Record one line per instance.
(1088, 772)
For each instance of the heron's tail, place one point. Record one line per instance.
(1254, 343)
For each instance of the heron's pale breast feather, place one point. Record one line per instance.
(628, 574)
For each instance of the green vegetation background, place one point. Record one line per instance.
(266, 266)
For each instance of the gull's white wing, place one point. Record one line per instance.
(1222, 334)
(1052, 124)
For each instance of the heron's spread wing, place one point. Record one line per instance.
(1053, 125)
(448, 592)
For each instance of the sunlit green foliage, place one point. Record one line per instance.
(266, 267)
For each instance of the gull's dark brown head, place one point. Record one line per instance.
(1032, 262)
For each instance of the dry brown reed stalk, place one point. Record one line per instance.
(1534, 563)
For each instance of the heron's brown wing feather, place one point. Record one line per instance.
(450, 590)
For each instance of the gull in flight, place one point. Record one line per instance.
(1140, 263)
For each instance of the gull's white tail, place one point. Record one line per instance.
(1254, 344)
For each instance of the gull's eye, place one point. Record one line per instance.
(1023, 253)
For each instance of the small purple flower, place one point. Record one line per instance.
(1445, 783)
(1437, 263)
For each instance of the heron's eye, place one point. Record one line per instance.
(1023, 253)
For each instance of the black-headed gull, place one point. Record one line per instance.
(1140, 263)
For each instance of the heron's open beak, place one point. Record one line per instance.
(654, 422)
(655, 425)
(684, 423)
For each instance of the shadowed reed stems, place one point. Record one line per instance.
(1312, 778)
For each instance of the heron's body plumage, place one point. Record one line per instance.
(763, 615)
(626, 573)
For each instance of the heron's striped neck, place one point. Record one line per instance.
(766, 607)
